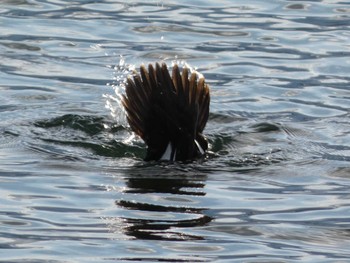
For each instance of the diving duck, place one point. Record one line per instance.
(169, 113)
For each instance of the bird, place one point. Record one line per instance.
(169, 113)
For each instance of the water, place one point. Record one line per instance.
(73, 186)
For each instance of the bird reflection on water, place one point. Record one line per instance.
(158, 220)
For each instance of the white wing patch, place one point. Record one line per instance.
(199, 147)
(167, 154)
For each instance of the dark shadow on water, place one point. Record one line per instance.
(90, 134)
(87, 132)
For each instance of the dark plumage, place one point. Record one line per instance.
(168, 113)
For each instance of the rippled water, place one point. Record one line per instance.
(73, 186)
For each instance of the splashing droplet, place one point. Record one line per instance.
(113, 101)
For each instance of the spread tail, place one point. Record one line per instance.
(168, 112)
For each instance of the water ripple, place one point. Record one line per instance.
(275, 184)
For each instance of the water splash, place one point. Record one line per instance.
(121, 71)
(113, 101)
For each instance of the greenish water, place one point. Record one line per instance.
(275, 187)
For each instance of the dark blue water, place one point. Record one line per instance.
(276, 185)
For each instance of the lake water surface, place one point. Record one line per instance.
(276, 185)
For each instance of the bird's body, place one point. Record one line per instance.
(168, 113)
